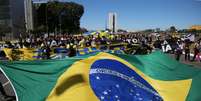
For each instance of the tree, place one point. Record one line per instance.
(38, 30)
(173, 29)
(4, 30)
(183, 31)
(83, 30)
(121, 30)
(60, 16)
(148, 31)
(199, 31)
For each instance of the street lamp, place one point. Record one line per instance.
(60, 23)
(46, 20)
(60, 20)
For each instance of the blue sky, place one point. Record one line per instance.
(141, 14)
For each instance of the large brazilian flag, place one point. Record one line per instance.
(105, 77)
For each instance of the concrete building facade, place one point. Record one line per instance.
(196, 27)
(112, 22)
(12, 17)
(29, 18)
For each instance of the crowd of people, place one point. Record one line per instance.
(177, 46)
(135, 43)
(75, 42)
(78, 40)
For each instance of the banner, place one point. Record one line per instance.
(20, 54)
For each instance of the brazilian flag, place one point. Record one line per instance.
(105, 77)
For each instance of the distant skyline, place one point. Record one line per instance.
(141, 14)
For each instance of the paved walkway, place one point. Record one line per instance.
(7, 86)
(182, 59)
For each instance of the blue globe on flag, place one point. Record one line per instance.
(112, 80)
